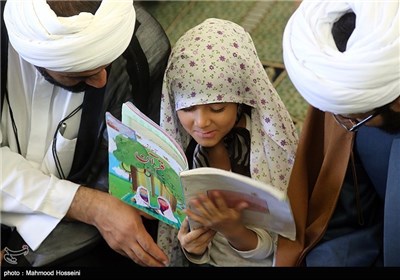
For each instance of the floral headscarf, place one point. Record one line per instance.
(216, 61)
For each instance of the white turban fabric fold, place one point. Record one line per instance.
(364, 77)
(69, 44)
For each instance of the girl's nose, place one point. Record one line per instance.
(201, 118)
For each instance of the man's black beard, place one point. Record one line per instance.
(81, 86)
(391, 121)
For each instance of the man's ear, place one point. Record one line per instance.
(396, 105)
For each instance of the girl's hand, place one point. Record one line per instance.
(213, 212)
(195, 241)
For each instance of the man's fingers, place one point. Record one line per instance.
(150, 254)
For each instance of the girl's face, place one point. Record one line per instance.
(209, 123)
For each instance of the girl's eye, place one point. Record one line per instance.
(217, 109)
(212, 108)
(188, 109)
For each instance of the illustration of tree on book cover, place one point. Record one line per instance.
(141, 174)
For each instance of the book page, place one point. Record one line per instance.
(133, 118)
(268, 207)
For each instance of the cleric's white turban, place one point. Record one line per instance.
(69, 44)
(365, 76)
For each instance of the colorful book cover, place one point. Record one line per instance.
(144, 166)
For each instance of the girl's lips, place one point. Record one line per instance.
(205, 134)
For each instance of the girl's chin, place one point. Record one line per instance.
(206, 143)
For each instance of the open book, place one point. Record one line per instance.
(148, 170)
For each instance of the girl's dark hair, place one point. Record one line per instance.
(243, 109)
(73, 7)
(342, 29)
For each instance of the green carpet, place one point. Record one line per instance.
(264, 20)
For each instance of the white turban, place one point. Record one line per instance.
(364, 77)
(69, 44)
